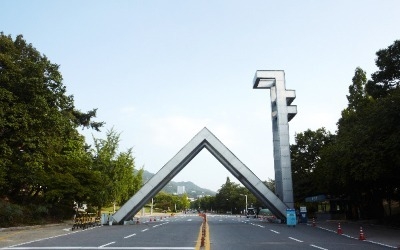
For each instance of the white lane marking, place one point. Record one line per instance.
(144, 230)
(274, 231)
(319, 247)
(355, 238)
(189, 220)
(295, 239)
(382, 244)
(126, 237)
(67, 229)
(107, 244)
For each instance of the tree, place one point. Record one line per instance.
(387, 78)
(357, 95)
(118, 179)
(206, 203)
(305, 157)
(184, 202)
(165, 201)
(270, 184)
(365, 159)
(38, 120)
(229, 198)
(225, 195)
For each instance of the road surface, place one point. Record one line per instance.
(184, 232)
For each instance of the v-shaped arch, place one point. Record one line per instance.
(204, 139)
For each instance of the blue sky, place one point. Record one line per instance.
(160, 71)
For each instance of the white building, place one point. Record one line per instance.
(181, 190)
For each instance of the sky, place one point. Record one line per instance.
(160, 71)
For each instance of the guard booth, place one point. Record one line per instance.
(328, 208)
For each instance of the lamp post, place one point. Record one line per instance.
(245, 195)
(152, 204)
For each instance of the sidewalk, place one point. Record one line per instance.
(377, 234)
(16, 235)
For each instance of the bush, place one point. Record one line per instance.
(15, 215)
(10, 214)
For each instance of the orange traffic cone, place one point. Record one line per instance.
(361, 237)
(339, 230)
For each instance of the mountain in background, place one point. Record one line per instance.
(191, 189)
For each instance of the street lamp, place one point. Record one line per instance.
(151, 208)
(246, 201)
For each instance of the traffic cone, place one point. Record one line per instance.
(361, 237)
(313, 222)
(339, 230)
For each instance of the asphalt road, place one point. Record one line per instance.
(183, 232)
(237, 233)
(180, 232)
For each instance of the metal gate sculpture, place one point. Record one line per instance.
(204, 139)
(282, 113)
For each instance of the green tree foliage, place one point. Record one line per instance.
(305, 155)
(231, 198)
(45, 165)
(116, 170)
(368, 135)
(361, 164)
(39, 143)
(206, 203)
(388, 77)
(184, 202)
(166, 202)
(270, 184)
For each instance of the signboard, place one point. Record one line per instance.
(303, 214)
(291, 219)
(317, 198)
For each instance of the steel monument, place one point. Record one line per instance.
(281, 113)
